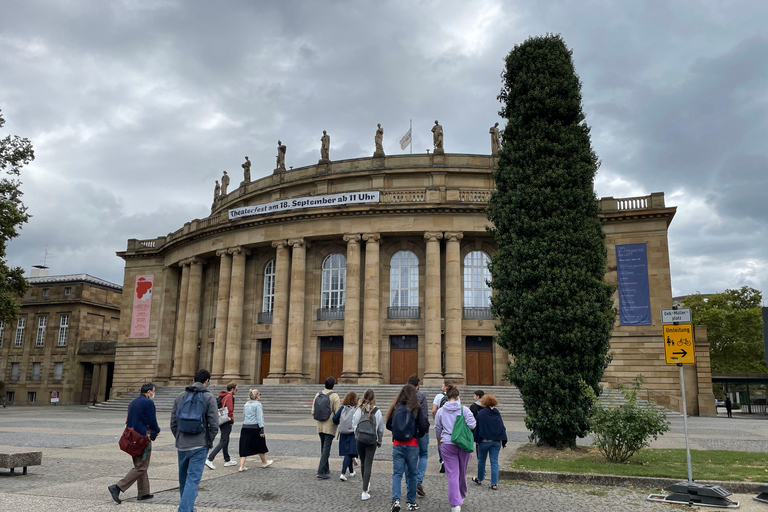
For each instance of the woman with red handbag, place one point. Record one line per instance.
(140, 429)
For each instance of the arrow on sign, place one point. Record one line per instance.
(683, 353)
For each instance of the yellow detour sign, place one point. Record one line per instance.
(678, 343)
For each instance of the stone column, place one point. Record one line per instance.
(279, 315)
(294, 355)
(352, 312)
(454, 367)
(222, 313)
(181, 315)
(235, 316)
(95, 382)
(432, 370)
(371, 373)
(102, 394)
(192, 320)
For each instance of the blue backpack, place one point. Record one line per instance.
(403, 424)
(190, 415)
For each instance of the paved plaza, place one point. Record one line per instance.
(81, 458)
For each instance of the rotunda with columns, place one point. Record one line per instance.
(368, 269)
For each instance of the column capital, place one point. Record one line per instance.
(279, 244)
(239, 249)
(453, 236)
(430, 236)
(222, 253)
(194, 260)
(372, 238)
(352, 238)
(298, 242)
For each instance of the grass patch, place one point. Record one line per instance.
(707, 465)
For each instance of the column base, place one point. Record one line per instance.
(432, 379)
(349, 378)
(227, 378)
(456, 378)
(294, 378)
(373, 378)
(272, 379)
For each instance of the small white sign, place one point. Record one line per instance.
(681, 315)
(305, 202)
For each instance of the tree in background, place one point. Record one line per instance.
(734, 328)
(15, 152)
(554, 306)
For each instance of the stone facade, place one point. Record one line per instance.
(67, 343)
(210, 308)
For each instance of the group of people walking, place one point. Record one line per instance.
(358, 424)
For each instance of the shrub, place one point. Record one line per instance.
(620, 431)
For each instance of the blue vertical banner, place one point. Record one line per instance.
(634, 292)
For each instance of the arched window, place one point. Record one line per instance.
(269, 287)
(404, 280)
(477, 293)
(334, 281)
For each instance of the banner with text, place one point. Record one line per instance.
(142, 305)
(305, 202)
(634, 292)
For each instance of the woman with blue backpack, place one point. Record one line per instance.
(407, 421)
(452, 427)
(345, 419)
(369, 433)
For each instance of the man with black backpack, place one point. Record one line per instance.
(194, 424)
(324, 406)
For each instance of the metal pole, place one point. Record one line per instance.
(410, 129)
(685, 426)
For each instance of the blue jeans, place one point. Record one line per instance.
(423, 454)
(483, 449)
(405, 460)
(191, 464)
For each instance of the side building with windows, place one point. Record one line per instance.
(368, 269)
(63, 341)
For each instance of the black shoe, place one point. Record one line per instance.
(114, 490)
(146, 497)
(420, 491)
(442, 467)
(395, 506)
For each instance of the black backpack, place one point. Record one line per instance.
(218, 402)
(403, 424)
(366, 432)
(322, 407)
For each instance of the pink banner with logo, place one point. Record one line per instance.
(142, 305)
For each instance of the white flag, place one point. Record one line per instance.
(406, 140)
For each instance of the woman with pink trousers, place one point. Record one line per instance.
(455, 458)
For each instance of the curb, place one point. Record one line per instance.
(644, 482)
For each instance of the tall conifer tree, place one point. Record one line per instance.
(554, 306)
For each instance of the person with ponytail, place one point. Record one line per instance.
(455, 458)
(368, 420)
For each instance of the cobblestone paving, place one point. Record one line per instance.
(81, 458)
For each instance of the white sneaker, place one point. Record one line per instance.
(230, 463)
(269, 463)
(366, 496)
(352, 474)
(209, 464)
(242, 469)
(457, 508)
(342, 477)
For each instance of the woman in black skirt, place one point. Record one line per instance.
(252, 441)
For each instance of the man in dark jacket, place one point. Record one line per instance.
(192, 449)
(423, 441)
(142, 418)
(227, 399)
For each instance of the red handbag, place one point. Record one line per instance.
(133, 443)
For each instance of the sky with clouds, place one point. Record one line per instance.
(135, 108)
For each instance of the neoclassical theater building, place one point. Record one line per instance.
(368, 269)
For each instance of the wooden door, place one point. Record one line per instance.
(264, 366)
(331, 363)
(85, 394)
(403, 362)
(479, 367)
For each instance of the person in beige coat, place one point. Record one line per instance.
(324, 406)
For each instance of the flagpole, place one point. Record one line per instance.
(410, 129)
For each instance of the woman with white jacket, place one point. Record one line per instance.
(366, 416)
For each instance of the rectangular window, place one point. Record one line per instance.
(36, 371)
(46, 292)
(9, 396)
(67, 290)
(58, 370)
(14, 371)
(32, 396)
(63, 326)
(20, 331)
(41, 323)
